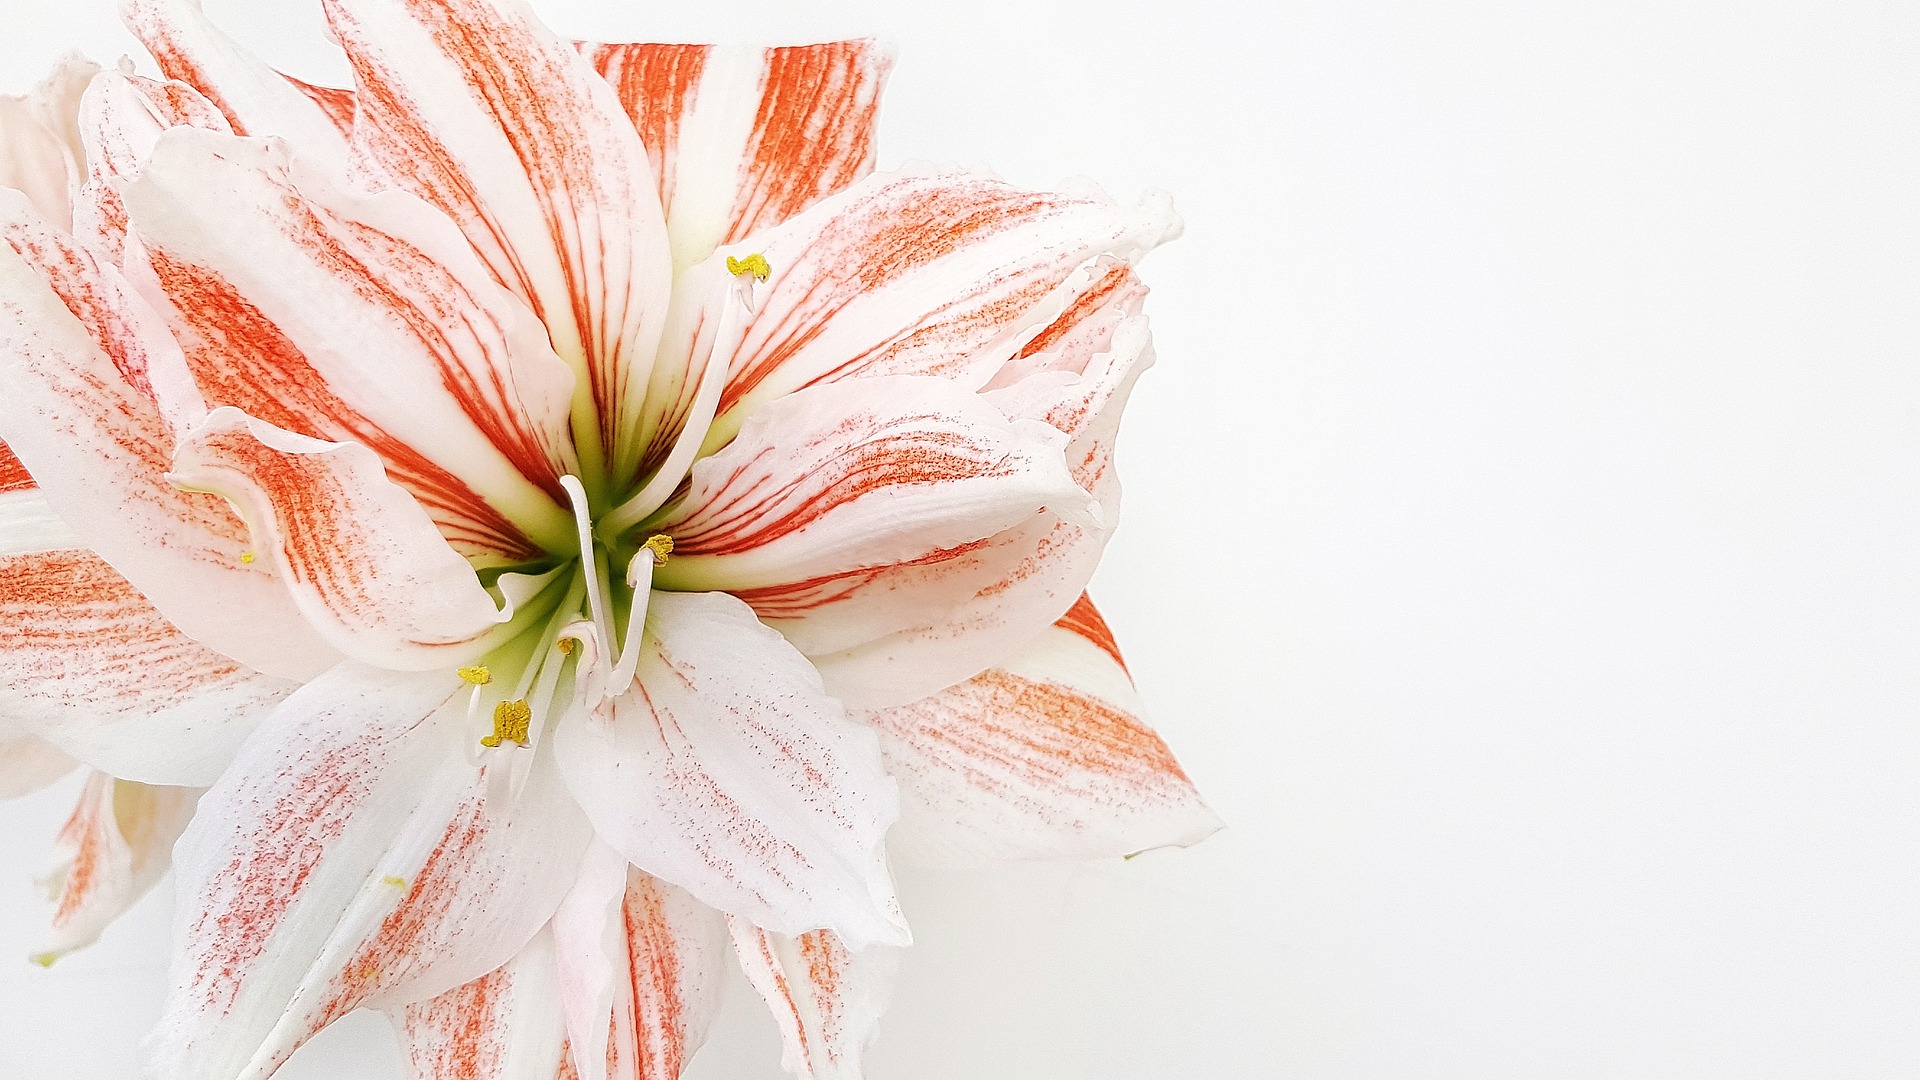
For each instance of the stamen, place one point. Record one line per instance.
(510, 720)
(755, 264)
(661, 545)
(640, 578)
(566, 645)
(478, 675)
(247, 557)
(597, 600)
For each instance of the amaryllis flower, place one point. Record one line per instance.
(573, 517)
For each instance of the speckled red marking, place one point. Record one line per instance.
(338, 104)
(656, 1004)
(1083, 619)
(813, 132)
(1117, 278)
(13, 475)
(655, 84)
(459, 1035)
(85, 836)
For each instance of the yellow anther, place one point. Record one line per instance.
(478, 675)
(567, 645)
(247, 557)
(753, 264)
(510, 720)
(44, 959)
(394, 880)
(661, 545)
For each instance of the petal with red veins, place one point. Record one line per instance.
(923, 271)
(505, 1025)
(352, 857)
(339, 104)
(340, 316)
(361, 557)
(1023, 579)
(1045, 757)
(121, 119)
(81, 357)
(826, 999)
(743, 137)
(40, 151)
(114, 848)
(29, 763)
(835, 502)
(728, 771)
(479, 109)
(255, 99)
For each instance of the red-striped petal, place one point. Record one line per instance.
(351, 857)
(1045, 757)
(743, 138)
(476, 107)
(121, 119)
(255, 99)
(362, 559)
(116, 846)
(346, 317)
(727, 771)
(826, 999)
(81, 358)
(505, 1025)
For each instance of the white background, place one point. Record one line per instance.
(1520, 548)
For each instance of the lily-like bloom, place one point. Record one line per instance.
(575, 516)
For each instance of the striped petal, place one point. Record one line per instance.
(1044, 758)
(114, 848)
(361, 557)
(40, 153)
(480, 110)
(121, 120)
(1075, 376)
(826, 999)
(82, 359)
(924, 271)
(505, 1025)
(367, 319)
(29, 763)
(727, 770)
(351, 857)
(641, 961)
(743, 137)
(837, 503)
(255, 99)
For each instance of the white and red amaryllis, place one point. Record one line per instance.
(572, 517)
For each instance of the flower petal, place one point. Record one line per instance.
(29, 763)
(742, 137)
(1075, 376)
(352, 857)
(505, 1025)
(255, 99)
(80, 357)
(40, 152)
(121, 119)
(924, 271)
(480, 110)
(114, 848)
(363, 560)
(826, 999)
(1044, 758)
(726, 770)
(827, 491)
(366, 319)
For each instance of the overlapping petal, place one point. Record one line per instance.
(112, 850)
(29, 763)
(81, 358)
(43, 157)
(121, 120)
(923, 271)
(352, 857)
(480, 110)
(1046, 757)
(743, 137)
(728, 771)
(826, 998)
(255, 99)
(346, 317)
(505, 1025)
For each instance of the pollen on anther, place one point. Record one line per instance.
(510, 722)
(566, 645)
(755, 264)
(247, 557)
(661, 545)
(478, 675)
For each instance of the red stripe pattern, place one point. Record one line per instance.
(13, 475)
